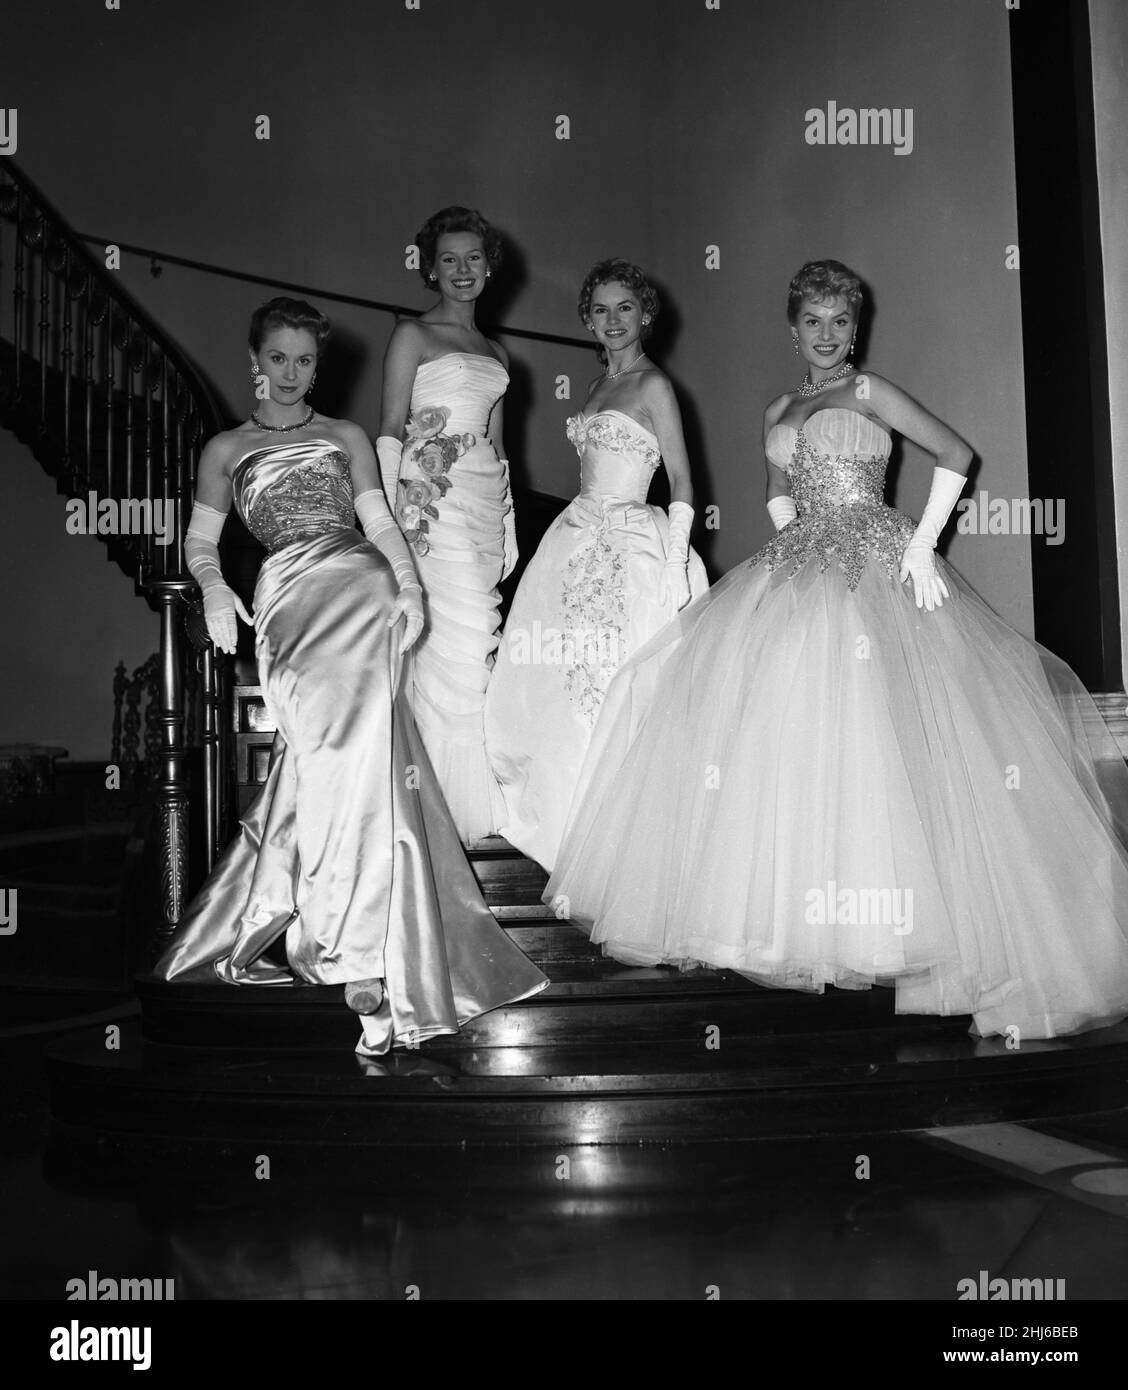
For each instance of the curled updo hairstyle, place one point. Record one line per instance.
(623, 273)
(820, 281)
(455, 219)
(287, 313)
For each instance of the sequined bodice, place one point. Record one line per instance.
(836, 458)
(467, 384)
(293, 492)
(618, 456)
(836, 462)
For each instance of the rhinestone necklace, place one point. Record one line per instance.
(283, 429)
(808, 388)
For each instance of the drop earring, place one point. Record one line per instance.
(795, 343)
(256, 372)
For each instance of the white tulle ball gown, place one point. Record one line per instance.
(807, 779)
(588, 599)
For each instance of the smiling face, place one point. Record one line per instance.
(616, 315)
(825, 332)
(461, 266)
(288, 359)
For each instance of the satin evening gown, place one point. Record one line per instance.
(807, 779)
(588, 599)
(349, 851)
(460, 571)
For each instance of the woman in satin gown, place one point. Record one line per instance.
(445, 474)
(348, 852)
(608, 575)
(841, 767)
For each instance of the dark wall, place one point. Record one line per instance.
(687, 131)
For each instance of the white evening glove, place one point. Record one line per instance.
(388, 453)
(386, 536)
(918, 561)
(222, 605)
(509, 521)
(782, 511)
(674, 587)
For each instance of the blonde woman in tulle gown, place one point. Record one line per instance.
(840, 766)
(444, 471)
(610, 572)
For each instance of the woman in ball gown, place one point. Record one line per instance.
(609, 573)
(349, 851)
(445, 473)
(840, 766)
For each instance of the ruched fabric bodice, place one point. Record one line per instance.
(286, 492)
(467, 384)
(617, 455)
(836, 462)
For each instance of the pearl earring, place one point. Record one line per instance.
(434, 277)
(256, 371)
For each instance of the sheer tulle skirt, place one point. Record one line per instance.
(816, 785)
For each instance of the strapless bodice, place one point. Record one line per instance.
(467, 384)
(836, 462)
(290, 492)
(836, 458)
(618, 456)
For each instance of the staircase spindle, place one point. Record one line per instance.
(88, 384)
(44, 326)
(18, 295)
(108, 370)
(67, 358)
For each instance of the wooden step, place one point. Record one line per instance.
(872, 1080)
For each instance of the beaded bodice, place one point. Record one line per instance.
(836, 462)
(290, 492)
(618, 456)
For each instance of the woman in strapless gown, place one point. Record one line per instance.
(349, 852)
(841, 767)
(593, 593)
(446, 476)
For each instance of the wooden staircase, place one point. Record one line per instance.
(605, 1055)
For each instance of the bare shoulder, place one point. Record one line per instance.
(349, 433)
(408, 338)
(656, 387)
(223, 450)
(775, 409)
(502, 355)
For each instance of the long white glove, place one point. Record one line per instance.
(509, 521)
(379, 528)
(782, 511)
(674, 588)
(221, 603)
(388, 453)
(918, 561)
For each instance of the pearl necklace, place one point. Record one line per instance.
(610, 376)
(283, 429)
(808, 388)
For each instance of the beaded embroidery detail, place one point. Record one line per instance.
(842, 516)
(614, 436)
(310, 498)
(594, 608)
